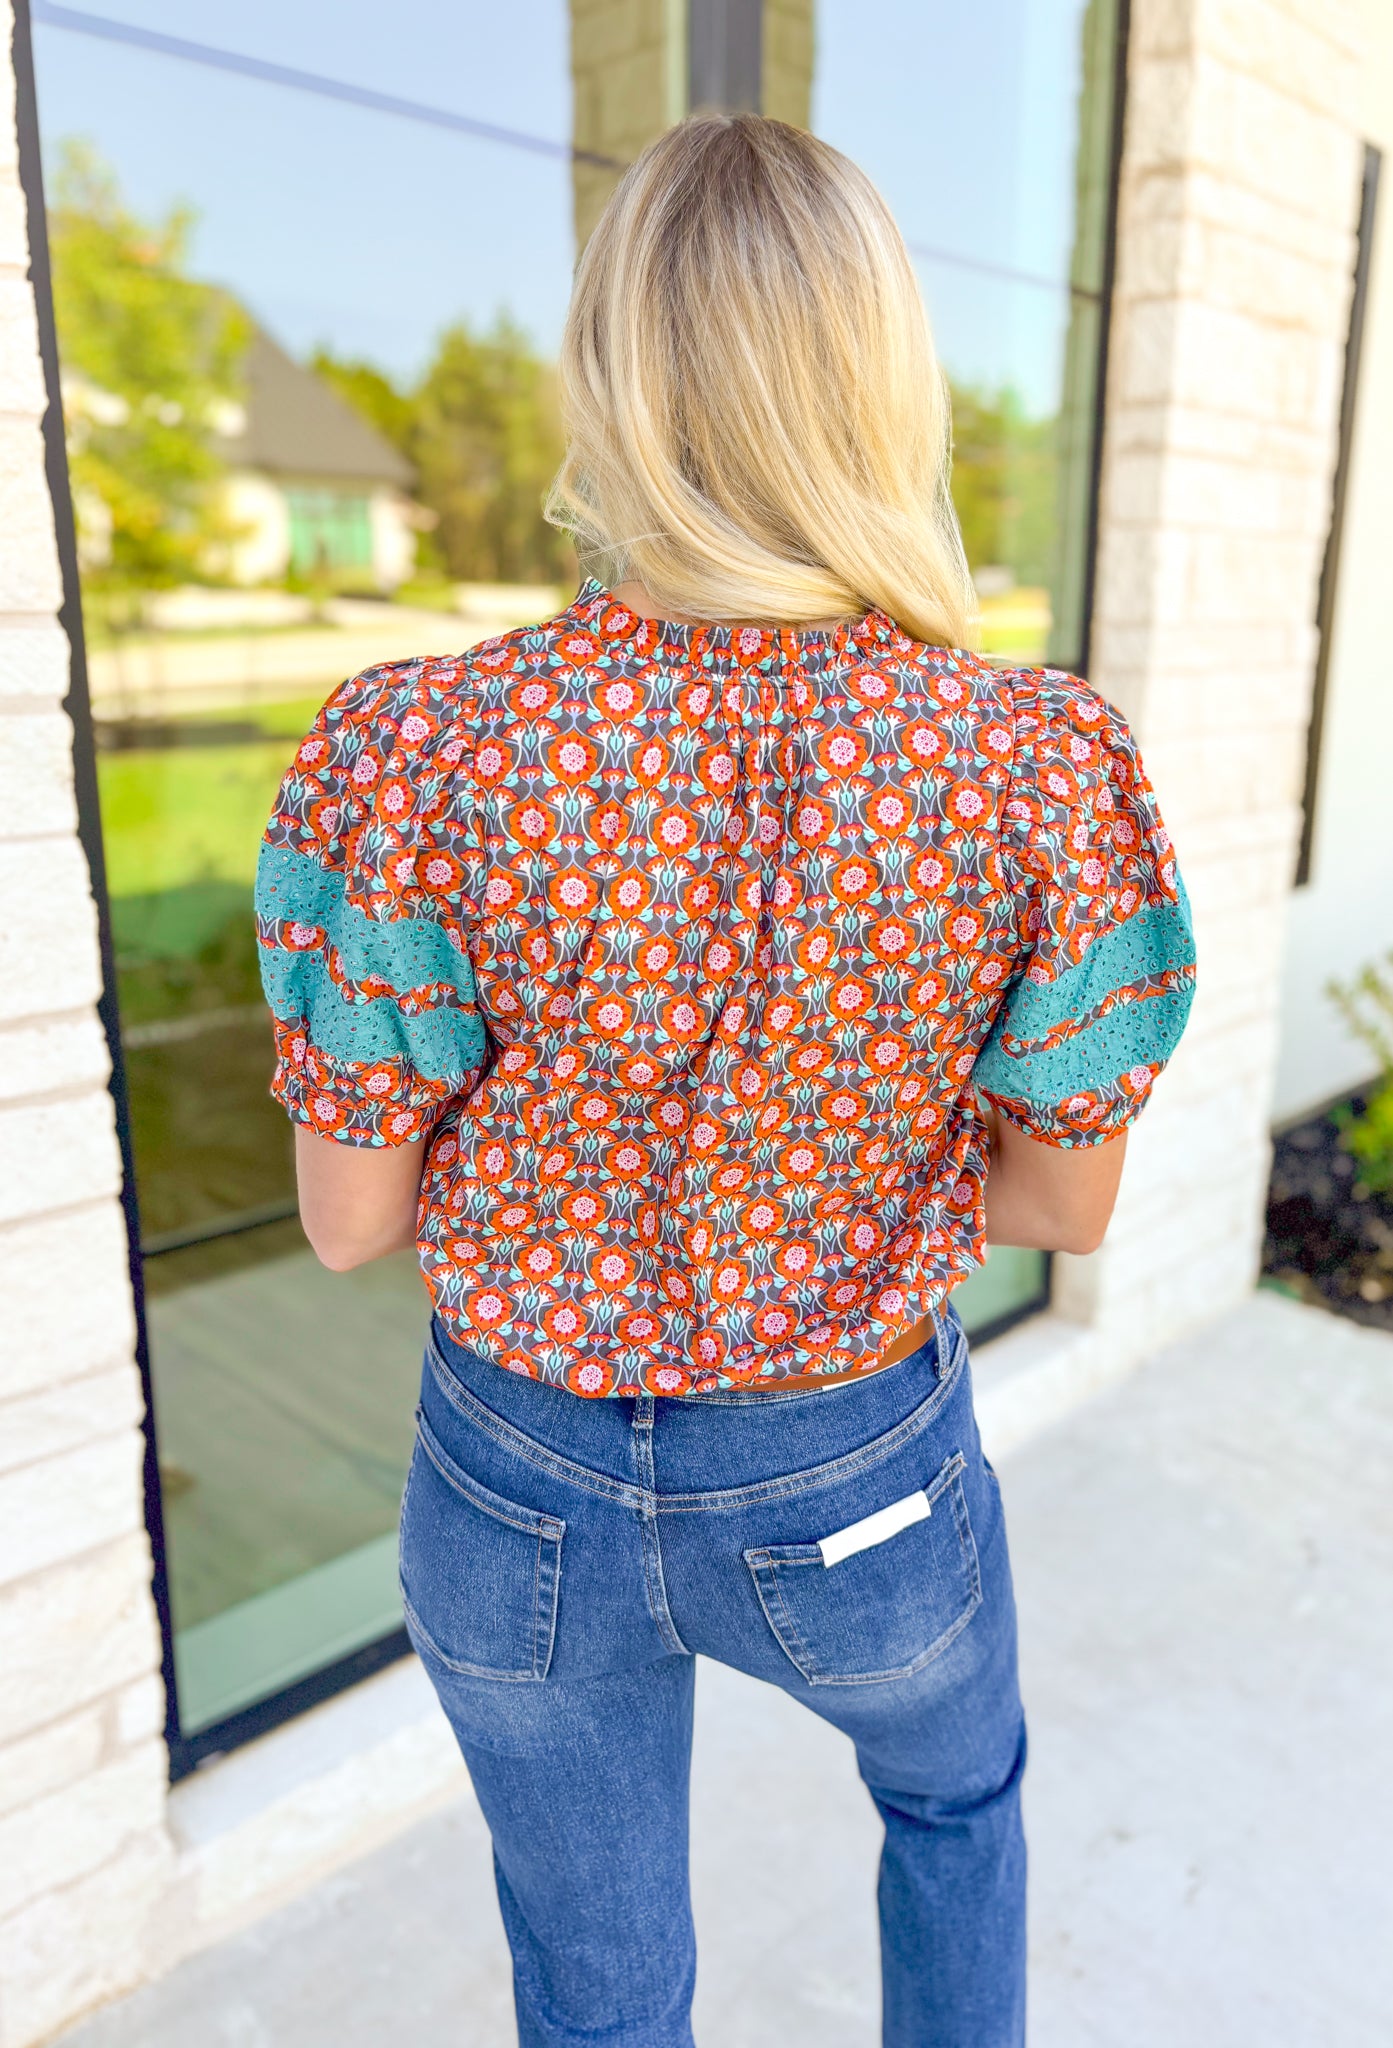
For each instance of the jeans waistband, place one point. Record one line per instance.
(708, 1455)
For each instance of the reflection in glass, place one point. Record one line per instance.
(308, 381)
(307, 375)
(989, 131)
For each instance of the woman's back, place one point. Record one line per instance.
(748, 917)
(691, 954)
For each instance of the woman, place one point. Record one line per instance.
(699, 979)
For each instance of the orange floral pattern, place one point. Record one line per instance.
(739, 922)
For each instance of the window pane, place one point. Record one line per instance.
(307, 355)
(286, 1396)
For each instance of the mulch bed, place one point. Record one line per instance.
(1329, 1240)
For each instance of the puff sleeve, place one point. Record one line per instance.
(1107, 951)
(362, 905)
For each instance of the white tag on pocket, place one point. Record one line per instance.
(876, 1528)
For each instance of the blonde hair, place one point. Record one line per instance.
(757, 424)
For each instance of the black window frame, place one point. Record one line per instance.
(723, 51)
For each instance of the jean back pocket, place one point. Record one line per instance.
(884, 1612)
(480, 1576)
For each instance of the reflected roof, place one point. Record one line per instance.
(296, 425)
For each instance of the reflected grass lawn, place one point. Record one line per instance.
(185, 814)
(1016, 625)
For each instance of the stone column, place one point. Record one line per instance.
(1235, 251)
(83, 1847)
(786, 69)
(628, 83)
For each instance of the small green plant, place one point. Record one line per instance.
(1366, 1004)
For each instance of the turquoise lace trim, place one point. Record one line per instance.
(325, 960)
(1123, 1006)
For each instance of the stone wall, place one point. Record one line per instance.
(1235, 245)
(83, 1846)
(628, 83)
(786, 64)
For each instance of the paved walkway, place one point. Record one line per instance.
(1204, 1562)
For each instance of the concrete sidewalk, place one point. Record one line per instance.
(1204, 1566)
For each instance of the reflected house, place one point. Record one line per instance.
(314, 491)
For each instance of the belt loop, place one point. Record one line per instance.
(643, 1411)
(941, 1358)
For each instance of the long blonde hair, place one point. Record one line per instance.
(756, 421)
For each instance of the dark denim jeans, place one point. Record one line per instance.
(563, 1559)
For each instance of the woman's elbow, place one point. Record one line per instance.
(1048, 1234)
(340, 1248)
(355, 1205)
(1081, 1239)
(336, 1253)
(339, 1256)
(1081, 1227)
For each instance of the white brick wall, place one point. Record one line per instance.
(84, 1849)
(1238, 206)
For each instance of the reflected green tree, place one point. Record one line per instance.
(482, 429)
(1004, 482)
(151, 364)
(372, 394)
(488, 443)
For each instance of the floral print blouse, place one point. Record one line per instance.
(688, 951)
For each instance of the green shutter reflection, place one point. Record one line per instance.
(330, 531)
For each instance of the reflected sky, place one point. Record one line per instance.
(332, 223)
(966, 118)
(350, 227)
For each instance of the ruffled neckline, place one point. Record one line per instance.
(596, 609)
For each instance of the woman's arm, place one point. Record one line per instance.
(1049, 1197)
(356, 1205)
(359, 1205)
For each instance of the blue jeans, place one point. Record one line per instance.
(563, 1559)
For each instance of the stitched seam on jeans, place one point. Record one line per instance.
(817, 1476)
(406, 1491)
(758, 1574)
(677, 1641)
(453, 1663)
(473, 1410)
(654, 1583)
(920, 1663)
(967, 1538)
(552, 1566)
(546, 1528)
(536, 1609)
